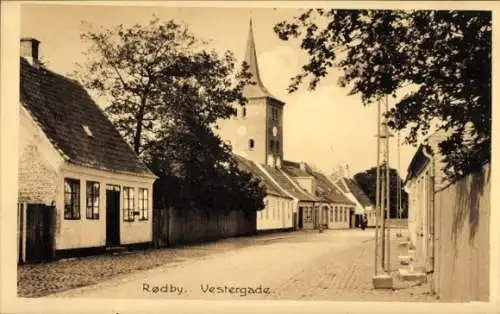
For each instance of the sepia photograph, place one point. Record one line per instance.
(263, 153)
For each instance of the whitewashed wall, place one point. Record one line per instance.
(277, 214)
(339, 220)
(85, 233)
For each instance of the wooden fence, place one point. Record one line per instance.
(462, 242)
(35, 227)
(172, 227)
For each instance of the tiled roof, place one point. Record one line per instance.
(293, 169)
(250, 167)
(66, 113)
(330, 191)
(286, 184)
(358, 193)
(419, 160)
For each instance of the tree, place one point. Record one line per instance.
(166, 92)
(444, 55)
(367, 180)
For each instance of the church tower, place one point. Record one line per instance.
(256, 132)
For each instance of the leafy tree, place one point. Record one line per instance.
(166, 92)
(367, 180)
(444, 55)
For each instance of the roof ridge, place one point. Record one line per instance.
(45, 94)
(273, 180)
(296, 185)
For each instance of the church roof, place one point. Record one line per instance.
(73, 122)
(257, 89)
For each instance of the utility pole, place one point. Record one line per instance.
(382, 232)
(400, 215)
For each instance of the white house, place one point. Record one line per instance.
(364, 206)
(424, 177)
(72, 157)
(277, 214)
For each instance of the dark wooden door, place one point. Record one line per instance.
(112, 215)
(301, 217)
(39, 227)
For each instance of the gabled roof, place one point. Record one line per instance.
(419, 160)
(73, 123)
(250, 167)
(358, 192)
(287, 185)
(257, 89)
(294, 169)
(329, 190)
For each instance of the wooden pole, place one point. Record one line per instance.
(377, 200)
(388, 185)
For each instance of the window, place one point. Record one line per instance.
(251, 143)
(308, 214)
(331, 214)
(336, 214)
(143, 204)
(274, 114)
(128, 204)
(92, 200)
(71, 199)
(87, 130)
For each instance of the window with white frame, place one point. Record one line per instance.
(128, 204)
(92, 200)
(143, 203)
(71, 199)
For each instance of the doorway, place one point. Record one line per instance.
(112, 215)
(301, 217)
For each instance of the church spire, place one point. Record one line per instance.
(258, 89)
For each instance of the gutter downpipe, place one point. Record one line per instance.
(432, 220)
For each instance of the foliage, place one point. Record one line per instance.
(444, 55)
(166, 92)
(367, 180)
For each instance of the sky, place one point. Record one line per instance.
(325, 127)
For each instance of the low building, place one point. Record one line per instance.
(424, 176)
(277, 214)
(306, 205)
(73, 159)
(363, 205)
(337, 213)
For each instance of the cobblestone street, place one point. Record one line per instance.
(335, 265)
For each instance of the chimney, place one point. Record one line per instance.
(29, 50)
(278, 162)
(303, 166)
(271, 161)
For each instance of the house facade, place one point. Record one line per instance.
(278, 206)
(425, 176)
(72, 158)
(363, 205)
(336, 213)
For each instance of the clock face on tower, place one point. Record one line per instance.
(275, 131)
